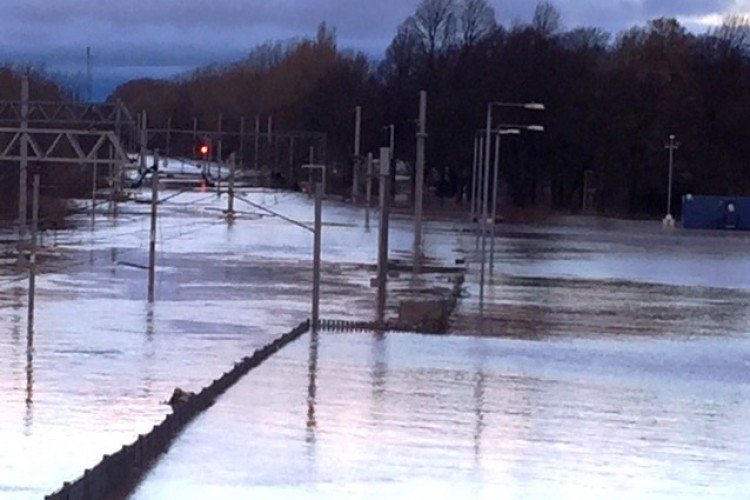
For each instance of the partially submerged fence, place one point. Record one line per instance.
(117, 474)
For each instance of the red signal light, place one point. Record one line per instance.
(203, 150)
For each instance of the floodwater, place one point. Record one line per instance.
(622, 364)
(93, 371)
(402, 416)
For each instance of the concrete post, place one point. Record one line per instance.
(385, 167)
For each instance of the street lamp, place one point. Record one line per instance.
(533, 106)
(668, 220)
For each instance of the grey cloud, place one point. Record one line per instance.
(678, 8)
(153, 37)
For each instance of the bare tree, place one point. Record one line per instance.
(476, 21)
(547, 19)
(732, 34)
(434, 23)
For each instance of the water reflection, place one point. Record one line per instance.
(312, 373)
(479, 390)
(29, 413)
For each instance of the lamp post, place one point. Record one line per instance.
(668, 220)
(533, 106)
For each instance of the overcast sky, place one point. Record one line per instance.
(160, 38)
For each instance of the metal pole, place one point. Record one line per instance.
(368, 191)
(143, 141)
(494, 203)
(290, 175)
(152, 234)
(117, 165)
(671, 164)
(242, 141)
(270, 141)
(257, 141)
(32, 254)
(316, 253)
(474, 172)
(392, 146)
(480, 176)
(418, 193)
(112, 182)
(385, 161)
(169, 137)
(485, 189)
(311, 161)
(195, 137)
(23, 177)
(356, 162)
(219, 156)
(94, 172)
(232, 169)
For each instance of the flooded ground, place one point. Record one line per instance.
(100, 360)
(400, 416)
(623, 361)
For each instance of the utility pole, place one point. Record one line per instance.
(23, 177)
(316, 253)
(356, 162)
(152, 234)
(143, 141)
(219, 157)
(311, 161)
(368, 191)
(230, 201)
(32, 252)
(672, 145)
(474, 172)
(418, 197)
(290, 174)
(270, 142)
(385, 164)
(256, 152)
(93, 193)
(494, 202)
(195, 137)
(480, 178)
(392, 147)
(317, 242)
(241, 155)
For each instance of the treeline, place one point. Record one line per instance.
(611, 101)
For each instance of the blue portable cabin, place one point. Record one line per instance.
(715, 212)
